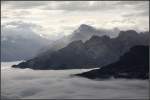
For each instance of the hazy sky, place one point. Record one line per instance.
(59, 18)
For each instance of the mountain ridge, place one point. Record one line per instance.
(132, 64)
(97, 51)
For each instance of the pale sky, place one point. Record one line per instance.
(58, 18)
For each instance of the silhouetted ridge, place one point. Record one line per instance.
(128, 33)
(133, 64)
(97, 51)
(76, 43)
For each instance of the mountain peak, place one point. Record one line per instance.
(85, 27)
(84, 32)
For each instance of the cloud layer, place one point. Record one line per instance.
(58, 84)
(59, 18)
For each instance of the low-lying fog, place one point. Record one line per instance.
(58, 84)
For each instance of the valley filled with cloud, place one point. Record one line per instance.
(60, 84)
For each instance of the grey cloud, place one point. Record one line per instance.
(125, 9)
(22, 13)
(125, 20)
(82, 6)
(137, 14)
(76, 5)
(139, 8)
(24, 4)
(68, 27)
(134, 5)
(54, 84)
(18, 28)
(21, 24)
(131, 2)
(15, 13)
(61, 5)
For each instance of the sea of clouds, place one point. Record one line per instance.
(60, 84)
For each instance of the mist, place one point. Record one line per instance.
(60, 84)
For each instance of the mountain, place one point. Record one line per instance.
(21, 46)
(133, 64)
(83, 32)
(17, 44)
(95, 52)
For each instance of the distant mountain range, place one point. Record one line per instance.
(133, 64)
(83, 32)
(97, 51)
(21, 46)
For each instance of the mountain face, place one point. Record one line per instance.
(18, 44)
(83, 32)
(20, 47)
(133, 64)
(95, 52)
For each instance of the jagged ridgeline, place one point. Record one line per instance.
(97, 51)
(133, 64)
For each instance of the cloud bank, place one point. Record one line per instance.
(53, 84)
